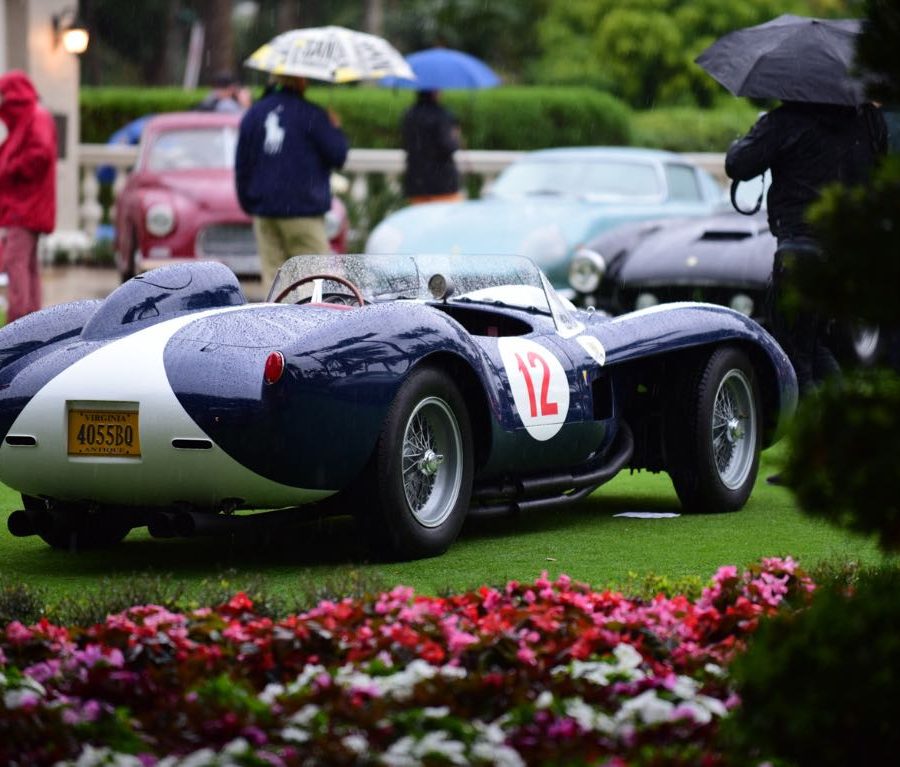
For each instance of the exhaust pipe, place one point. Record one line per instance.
(162, 525)
(21, 523)
(190, 523)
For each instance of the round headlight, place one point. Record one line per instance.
(645, 301)
(742, 303)
(586, 270)
(160, 219)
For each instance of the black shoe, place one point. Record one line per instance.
(775, 479)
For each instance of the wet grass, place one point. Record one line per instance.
(586, 541)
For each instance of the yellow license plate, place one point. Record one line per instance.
(104, 433)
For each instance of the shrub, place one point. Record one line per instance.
(819, 688)
(685, 129)
(505, 118)
(842, 457)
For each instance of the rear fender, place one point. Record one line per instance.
(43, 329)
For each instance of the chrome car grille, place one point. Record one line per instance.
(232, 244)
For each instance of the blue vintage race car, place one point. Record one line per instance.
(410, 390)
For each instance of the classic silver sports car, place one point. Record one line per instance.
(418, 388)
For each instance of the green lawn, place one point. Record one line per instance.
(585, 541)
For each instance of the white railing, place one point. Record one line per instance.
(361, 165)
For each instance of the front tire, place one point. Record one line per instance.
(714, 441)
(421, 475)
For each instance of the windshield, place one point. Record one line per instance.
(498, 280)
(191, 148)
(603, 179)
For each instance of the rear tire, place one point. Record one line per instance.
(714, 437)
(420, 478)
(77, 529)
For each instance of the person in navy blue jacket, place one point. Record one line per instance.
(287, 149)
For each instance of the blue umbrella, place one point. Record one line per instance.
(438, 69)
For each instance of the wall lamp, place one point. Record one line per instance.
(69, 30)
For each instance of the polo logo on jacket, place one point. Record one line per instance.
(274, 133)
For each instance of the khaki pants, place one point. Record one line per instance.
(279, 239)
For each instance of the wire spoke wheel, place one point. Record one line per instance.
(432, 461)
(734, 429)
(714, 433)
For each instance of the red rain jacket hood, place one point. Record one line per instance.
(27, 157)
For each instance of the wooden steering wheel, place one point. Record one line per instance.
(317, 290)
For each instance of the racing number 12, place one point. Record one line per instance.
(534, 359)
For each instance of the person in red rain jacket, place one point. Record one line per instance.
(27, 188)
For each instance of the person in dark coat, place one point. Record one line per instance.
(27, 188)
(430, 137)
(287, 149)
(806, 147)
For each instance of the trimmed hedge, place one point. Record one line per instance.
(507, 118)
(689, 129)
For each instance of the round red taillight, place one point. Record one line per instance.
(274, 368)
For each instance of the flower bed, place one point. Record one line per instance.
(548, 672)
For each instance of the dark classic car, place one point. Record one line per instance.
(409, 390)
(180, 201)
(725, 258)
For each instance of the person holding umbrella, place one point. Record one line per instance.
(431, 137)
(288, 146)
(823, 132)
(430, 132)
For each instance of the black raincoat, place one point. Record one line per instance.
(807, 146)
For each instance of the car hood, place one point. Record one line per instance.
(546, 229)
(206, 189)
(720, 250)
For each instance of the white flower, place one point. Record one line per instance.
(101, 757)
(544, 700)
(305, 715)
(497, 755)
(356, 742)
(305, 677)
(436, 712)
(408, 752)
(685, 687)
(714, 705)
(588, 717)
(713, 670)
(271, 692)
(237, 747)
(628, 657)
(295, 734)
(648, 707)
(205, 757)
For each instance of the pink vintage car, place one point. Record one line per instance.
(180, 202)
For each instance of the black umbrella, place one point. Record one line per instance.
(791, 58)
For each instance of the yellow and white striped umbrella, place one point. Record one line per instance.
(332, 54)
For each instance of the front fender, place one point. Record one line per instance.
(681, 326)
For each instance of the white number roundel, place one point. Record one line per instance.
(539, 386)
